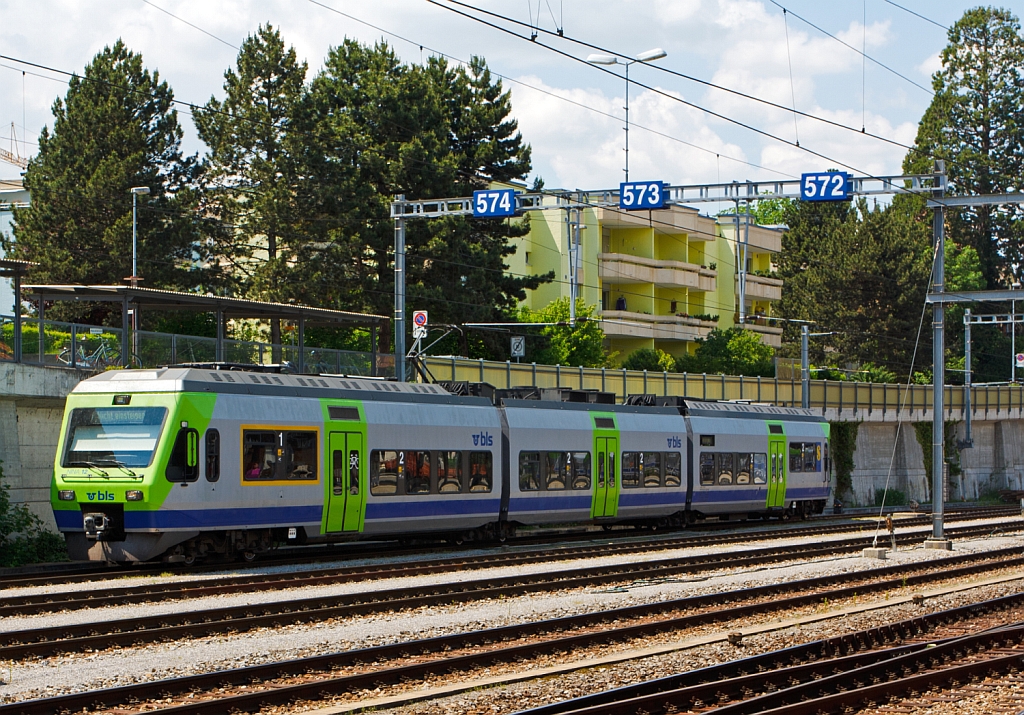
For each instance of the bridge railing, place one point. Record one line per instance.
(860, 400)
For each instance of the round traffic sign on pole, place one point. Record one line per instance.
(419, 318)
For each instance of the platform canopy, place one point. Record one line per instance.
(225, 308)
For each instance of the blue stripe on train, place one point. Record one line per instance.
(630, 497)
(388, 509)
(551, 503)
(204, 518)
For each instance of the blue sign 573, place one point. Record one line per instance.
(642, 195)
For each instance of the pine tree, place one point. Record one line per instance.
(251, 171)
(115, 128)
(383, 128)
(974, 124)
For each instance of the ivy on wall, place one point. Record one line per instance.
(923, 430)
(843, 437)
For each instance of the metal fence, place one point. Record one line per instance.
(98, 348)
(883, 400)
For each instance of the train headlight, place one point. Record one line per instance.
(133, 495)
(66, 495)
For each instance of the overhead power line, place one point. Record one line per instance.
(846, 44)
(833, 161)
(548, 93)
(691, 78)
(195, 27)
(917, 14)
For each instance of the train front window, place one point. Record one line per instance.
(122, 437)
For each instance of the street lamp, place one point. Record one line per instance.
(1013, 336)
(136, 191)
(656, 54)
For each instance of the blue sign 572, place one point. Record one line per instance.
(642, 195)
(496, 202)
(829, 186)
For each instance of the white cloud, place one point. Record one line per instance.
(576, 147)
(931, 65)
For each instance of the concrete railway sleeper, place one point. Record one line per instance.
(133, 595)
(548, 543)
(312, 678)
(15, 645)
(824, 676)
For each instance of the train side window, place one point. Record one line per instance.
(581, 470)
(300, 455)
(555, 469)
(386, 468)
(652, 469)
(812, 455)
(274, 455)
(743, 468)
(529, 471)
(212, 455)
(707, 468)
(796, 457)
(828, 461)
(480, 474)
(338, 472)
(707, 440)
(417, 472)
(353, 471)
(449, 472)
(760, 468)
(673, 469)
(725, 468)
(632, 464)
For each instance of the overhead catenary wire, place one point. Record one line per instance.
(792, 86)
(705, 110)
(917, 14)
(555, 95)
(847, 44)
(668, 70)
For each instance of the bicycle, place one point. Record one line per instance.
(100, 359)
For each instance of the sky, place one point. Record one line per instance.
(570, 112)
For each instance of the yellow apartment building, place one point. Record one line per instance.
(661, 279)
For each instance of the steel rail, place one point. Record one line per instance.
(103, 597)
(494, 638)
(813, 678)
(19, 644)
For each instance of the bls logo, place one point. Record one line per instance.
(674, 443)
(100, 496)
(484, 439)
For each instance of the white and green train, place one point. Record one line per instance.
(184, 462)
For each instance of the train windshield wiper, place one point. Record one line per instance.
(91, 465)
(120, 465)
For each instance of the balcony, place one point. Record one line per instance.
(625, 324)
(759, 288)
(619, 268)
(769, 334)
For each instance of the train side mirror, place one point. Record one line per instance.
(183, 465)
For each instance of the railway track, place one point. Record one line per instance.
(315, 678)
(20, 644)
(313, 555)
(102, 597)
(880, 666)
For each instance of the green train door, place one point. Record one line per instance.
(345, 502)
(776, 468)
(606, 486)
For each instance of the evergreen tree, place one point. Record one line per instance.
(115, 128)
(974, 124)
(251, 171)
(383, 128)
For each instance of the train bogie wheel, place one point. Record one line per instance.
(248, 556)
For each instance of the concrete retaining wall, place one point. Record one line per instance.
(31, 405)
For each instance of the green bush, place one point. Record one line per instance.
(894, 497)
(23, 539)
(650, 359)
